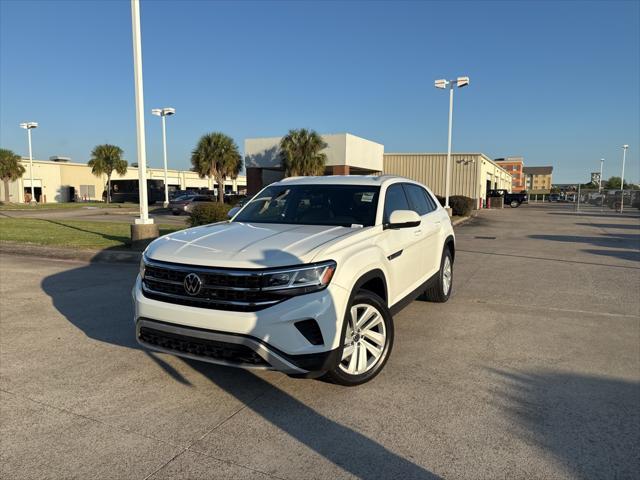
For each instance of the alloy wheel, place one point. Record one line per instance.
(447, 273)
(365, 340)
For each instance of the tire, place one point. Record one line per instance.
(175, 212)
(440, 290)
(378, 338)
(514, 204)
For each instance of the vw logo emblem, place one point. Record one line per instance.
(192, 284)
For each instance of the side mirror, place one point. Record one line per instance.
(231, 213)
(403, 219)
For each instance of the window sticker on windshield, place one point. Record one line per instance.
(367, 197)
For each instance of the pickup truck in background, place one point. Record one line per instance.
(514, 200)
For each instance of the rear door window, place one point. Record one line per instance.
(418, 199)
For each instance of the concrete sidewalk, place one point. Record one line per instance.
(531, 370)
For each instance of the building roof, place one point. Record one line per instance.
(537, 170)
(510, 160)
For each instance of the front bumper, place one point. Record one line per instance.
(269, 333)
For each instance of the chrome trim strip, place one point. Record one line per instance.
(275, 361)
(209, 301)
(204, 285)
(196, 269)
(161, 280)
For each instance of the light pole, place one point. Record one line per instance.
(600, 179)
(143, 229)
(600, 186)
(164, 112)
(28, 126)
(458, 82)
(624, 157)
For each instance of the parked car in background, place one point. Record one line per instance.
(304, 279)
(186, 203)
(514, 200)
(554, 197)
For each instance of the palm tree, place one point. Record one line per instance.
(104, 160)
(10, 170)
(301, 153)
(217, 156)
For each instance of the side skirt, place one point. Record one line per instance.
(400, 304)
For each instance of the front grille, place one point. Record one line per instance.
(221, 289)
(200, 347)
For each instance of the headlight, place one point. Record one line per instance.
(141, 271)
(299, 279)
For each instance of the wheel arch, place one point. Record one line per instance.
(450, 243)
(374, 281)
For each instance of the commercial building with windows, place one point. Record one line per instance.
(346, 155)
(514, 165)
(538, 179)
(472, 174)
(60, 180)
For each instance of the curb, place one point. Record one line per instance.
(58, 253)
(462, 220)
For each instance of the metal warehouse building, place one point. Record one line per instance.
(472, 174)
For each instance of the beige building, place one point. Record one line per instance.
(346, 154)
(57, 181)
(538, 179)
(472, 174)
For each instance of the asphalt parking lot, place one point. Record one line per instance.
(532, 370)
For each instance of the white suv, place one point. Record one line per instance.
(303, 279)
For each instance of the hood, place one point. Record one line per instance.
(245, 245)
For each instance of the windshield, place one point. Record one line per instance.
(339, 205)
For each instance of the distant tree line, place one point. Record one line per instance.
(613, 183)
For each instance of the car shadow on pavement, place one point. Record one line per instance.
(626, 245)
(609, 214)
(588, 423)
(339, 444)
(96, 299)
(621, 226)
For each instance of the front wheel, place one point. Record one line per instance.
(367, 340)
(440, 290)
(514, 204)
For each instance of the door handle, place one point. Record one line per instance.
(417, 232)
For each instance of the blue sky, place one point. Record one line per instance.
(558, 83)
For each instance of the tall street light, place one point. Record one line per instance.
(600, 180)
(624, 157)
(164, 112)
(450, 84)
(144, 229)
(28, 126)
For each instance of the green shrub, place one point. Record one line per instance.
(208, 213)
(460, 205)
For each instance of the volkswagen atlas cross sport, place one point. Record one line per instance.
(303, 279)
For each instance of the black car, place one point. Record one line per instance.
(514, 200)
